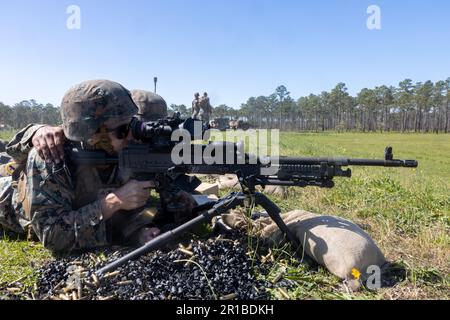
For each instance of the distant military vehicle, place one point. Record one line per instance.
(239, 124)
(221, 124)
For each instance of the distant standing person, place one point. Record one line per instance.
(205, 108)
(196, 106)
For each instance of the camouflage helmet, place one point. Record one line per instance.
(151, 106)
(88, 105)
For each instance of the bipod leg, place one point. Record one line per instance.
(275, 214)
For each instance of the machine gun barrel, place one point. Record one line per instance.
(346, 162)
(383, 163)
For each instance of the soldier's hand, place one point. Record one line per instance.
(147, 234)
(180, 205)
(49, 143)
(134, 194)
(186, 199)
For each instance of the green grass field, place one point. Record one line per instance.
(406, 211)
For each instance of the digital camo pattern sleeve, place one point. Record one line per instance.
(50, 194)
(20, 145)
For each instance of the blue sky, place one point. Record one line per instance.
(232, 49)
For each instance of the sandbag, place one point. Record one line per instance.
(335, 243)
(237, 219)
(208, 189)
(280, 191)
(228, 181)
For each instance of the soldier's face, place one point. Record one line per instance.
(120, 135)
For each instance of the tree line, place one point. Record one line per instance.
(409, 107)
(28, 111)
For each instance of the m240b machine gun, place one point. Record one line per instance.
(152, 159)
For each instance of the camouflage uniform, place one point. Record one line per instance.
(18, 150)
(61, 204)
(151, 106)
(19, 146)
(205, 109)
(3, 144)
(4, 160)
(196, 107)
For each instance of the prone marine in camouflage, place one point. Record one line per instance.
(151, 106)
(62, 204)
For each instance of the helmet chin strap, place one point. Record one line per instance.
(103, 141)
